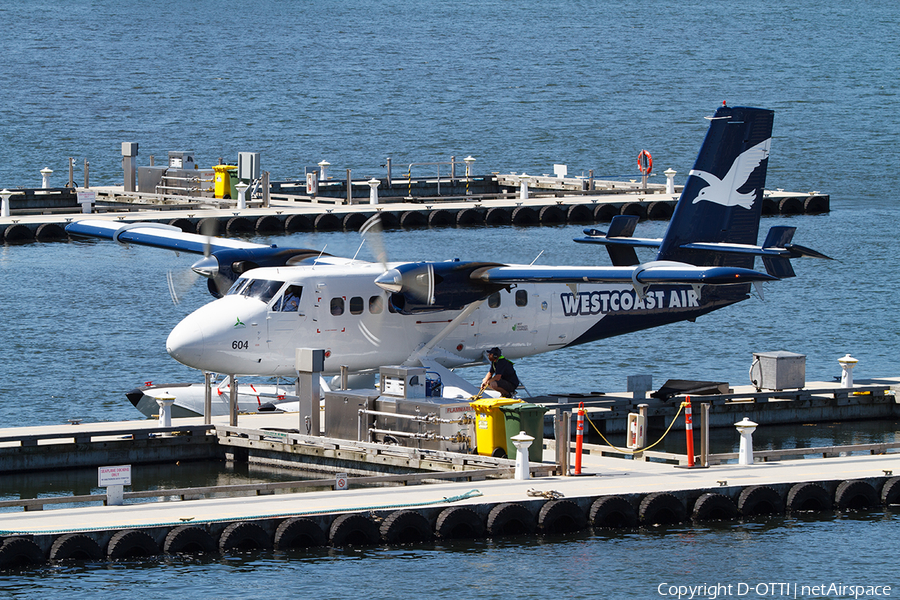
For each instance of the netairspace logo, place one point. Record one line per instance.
(712, 591)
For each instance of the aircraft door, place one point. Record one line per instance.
(561, 325)
(286, 317)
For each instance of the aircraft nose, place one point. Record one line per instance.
(185, 343)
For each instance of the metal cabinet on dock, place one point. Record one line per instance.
(778, 370)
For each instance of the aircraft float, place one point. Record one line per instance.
(445, 315)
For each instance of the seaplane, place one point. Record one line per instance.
(444, 315)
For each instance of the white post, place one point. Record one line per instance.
(242, 198)
(746, 427)
(522, 442)
(165, 410)
(323, 166)
(115, 495)
(523, 186)
(45, 173)
(4, 209)
(373, 190)
(670, 180)
(469, 160)
(847, 363)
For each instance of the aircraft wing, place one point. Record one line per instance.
(156, 235)
(644, 274)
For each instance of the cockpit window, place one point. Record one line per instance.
(236, 287)
(290, 301)
(264, 289)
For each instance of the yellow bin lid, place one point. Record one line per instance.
(486, 404)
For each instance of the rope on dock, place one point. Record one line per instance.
(644, 449)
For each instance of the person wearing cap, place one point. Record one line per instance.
(502, 375)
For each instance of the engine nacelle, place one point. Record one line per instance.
(223, 267)
(431, 286)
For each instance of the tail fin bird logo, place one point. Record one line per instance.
(725, 191)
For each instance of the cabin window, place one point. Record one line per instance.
(290, 301)
(521, 298)
(494, 300)
(236, 287)
(337, 306)
(356, 305)
(264, 289)
(376, 305)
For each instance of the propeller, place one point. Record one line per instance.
(418, 283)
(179, 283)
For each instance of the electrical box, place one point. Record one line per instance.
(129, 148)
(402, 382)
(181, 160)
(248, 165)
(778, 370)
(149, 178)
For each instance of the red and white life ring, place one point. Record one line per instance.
(645, 162)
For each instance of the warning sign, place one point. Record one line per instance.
(341, 482)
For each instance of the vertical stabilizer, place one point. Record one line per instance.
(722, 198)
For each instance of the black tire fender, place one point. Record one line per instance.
(714, 507)
(131, 543)
(509, 518)
(189, 539)
(612, 512)
(855, 495)
(405, 527)
(244, 536)
(661, 508)
(299, 532)
(759, 500)
(807, 496)
(459, 522)
(890, 492)
(19, 552)
(353, 529)
(561, 516)
(75, 546)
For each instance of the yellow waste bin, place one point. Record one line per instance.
(222, 187)
(490, 425)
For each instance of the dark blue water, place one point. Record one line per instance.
(520, 86)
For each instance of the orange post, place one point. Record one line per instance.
(689, 431)
(579, 438)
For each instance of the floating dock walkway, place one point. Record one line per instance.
(421, 494)
(285, 207)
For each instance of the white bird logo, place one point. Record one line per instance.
(725, 191)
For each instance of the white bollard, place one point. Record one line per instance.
(45, 173)
(847, 363)
(242, 195)
(746, 427)
(670, 180)
(323, 167)
(522, 442)
(523, 186)
(469, 160)
(165, 410)
(4, 209)
(373, 190)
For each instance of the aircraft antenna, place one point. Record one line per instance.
(537, 257)
(358, 249)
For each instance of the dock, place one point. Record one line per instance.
(286, 207)
(373, 493)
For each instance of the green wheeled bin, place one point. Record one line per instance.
(530, 419)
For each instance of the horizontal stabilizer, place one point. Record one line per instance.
(618, 241)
